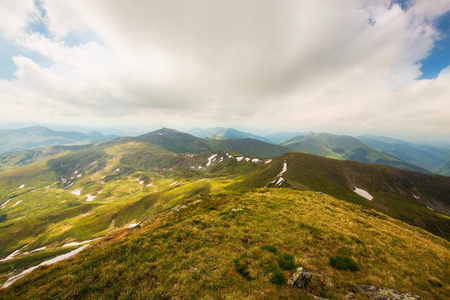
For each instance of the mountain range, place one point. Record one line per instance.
(38, 136)
(170, 215)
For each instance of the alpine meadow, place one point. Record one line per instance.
(218, 149)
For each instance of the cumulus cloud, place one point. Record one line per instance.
(349, 66)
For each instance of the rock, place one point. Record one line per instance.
(350, 295)
(377, 293)
(300, 278)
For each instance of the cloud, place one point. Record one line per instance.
(348, 66)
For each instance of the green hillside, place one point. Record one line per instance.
(346, 148)
(180, 142)
(443, 169)
(237, 245)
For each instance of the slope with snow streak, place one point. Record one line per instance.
(279, 178)
(13, 279)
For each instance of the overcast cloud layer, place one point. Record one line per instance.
(342, 66)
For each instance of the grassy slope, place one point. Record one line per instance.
(346, 148)
(393, 189)
(190, 253)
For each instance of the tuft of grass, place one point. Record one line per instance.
(343, 263)
(286, 261)
(277, 276)
(242, 269)
(270, 248)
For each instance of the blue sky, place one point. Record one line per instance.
(439, 57)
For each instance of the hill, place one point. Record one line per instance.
(427, 157)
(38, 136)
(180, 142)
(220, 133)
(246, 245)
(51, 207)
(443, 169)
(346, 148)
(404, 195)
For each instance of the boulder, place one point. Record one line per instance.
(378, 293)
(300, 278)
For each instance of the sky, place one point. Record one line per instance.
(340, 66)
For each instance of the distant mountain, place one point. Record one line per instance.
(180, 142)
(425, 156)
(279, 137)
(220, 133)
(346, 148)
(407, 153)
(444, 169)
(38, 136)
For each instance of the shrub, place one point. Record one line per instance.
(343, 263)
(270, 248)
(286, 261)
(277, 276)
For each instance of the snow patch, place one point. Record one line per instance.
(22, 186)
(89, 197)
(45, 263)
(133, 225)
(84, 215)
(79, 175)
(16, 203)
(280, 181)
(363, 193)
(173, 183)
(12, 255)
(247, 158)
(211, 159)
(149, 184)
(78, 243)
(76, 172)
(141, 182)
(430, 208)
(267, 161)
(239, 158)
(76, 192)
(3, 205)
(255, 160)
(415, 196)
(117, 169)
(38, 249)
(94, 162)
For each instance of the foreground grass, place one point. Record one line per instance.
(229, 246)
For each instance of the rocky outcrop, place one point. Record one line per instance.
(300, 278)
(377, 293)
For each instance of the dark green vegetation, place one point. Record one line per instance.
(343, 263)
(346, 148)
(39, 136)
(206, 231)
(203, 251)
(431, 158)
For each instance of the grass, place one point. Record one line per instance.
(197, 253)
(343, 263)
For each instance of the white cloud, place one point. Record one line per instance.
(346, 65)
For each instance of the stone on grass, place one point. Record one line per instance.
(300, 278)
